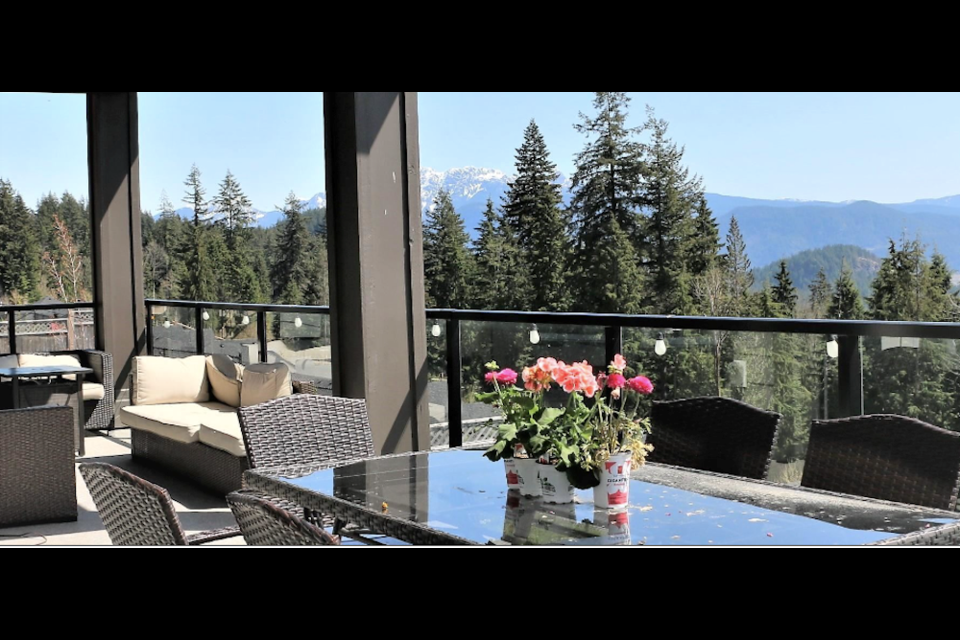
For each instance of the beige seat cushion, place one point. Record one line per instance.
(159, 380)
(265, 382)
(224, 435)
(47, 360)
(93, 391)
(9, 362)
(224, 375)
(180, 422)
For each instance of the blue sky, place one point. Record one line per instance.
(883, 147)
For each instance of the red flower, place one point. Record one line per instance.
(616, 381)
(507, 376)
(641, 384)
(490, 377)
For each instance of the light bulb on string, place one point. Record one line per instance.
(833, 347)
(534, 335)
(206, 316)
(297, 322)
(660, 347)
(245, 320)
(435, 330)
(166, 324)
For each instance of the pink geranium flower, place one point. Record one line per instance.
(490, 377)
(507, 376)
(547, 364)
(619, 363)
(641, 384)
(616, 381)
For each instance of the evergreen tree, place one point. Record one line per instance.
(737, 265)
(606, 187)
(820, 294)
(784, 293)
(669, 196)
(318, 277)
(495, 263)
(19, 248)
(847, 303)
(234, 208)
(532, 210)
(290, 274)
(194, 197)
(446, 260)
(198, 280)
(705, 244)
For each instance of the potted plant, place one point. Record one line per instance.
(522, 436)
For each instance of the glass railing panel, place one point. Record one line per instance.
(438, 332)
(4, 333)
(174, 331)
(302, 342)
(913, 377)
(233, 333)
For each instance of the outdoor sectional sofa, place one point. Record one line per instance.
(183, 415)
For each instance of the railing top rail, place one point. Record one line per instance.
(866, 328)
(54, 306)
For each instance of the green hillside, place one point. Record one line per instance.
(805, 265)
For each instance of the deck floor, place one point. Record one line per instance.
(198, 510)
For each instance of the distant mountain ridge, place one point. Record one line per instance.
(773, 229)
(805, 266)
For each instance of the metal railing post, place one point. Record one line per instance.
(262, 334)
(149, 329)
(613, 337)
(850, 376)
(454, 384)
(198, 319)
(12, 331)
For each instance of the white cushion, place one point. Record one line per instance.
(265, 382)
(224, 435)
(180, 422)
(47, 360)
(224, 375)
(93, 391)
(159, 380)
(9, 362)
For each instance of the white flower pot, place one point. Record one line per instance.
(528, 477)
(556, 488)
(510, 467)
(613, 492)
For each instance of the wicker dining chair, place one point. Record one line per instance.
(263, 523)
(138, 513)
(713, 434)
(887, 457)
(306, 429)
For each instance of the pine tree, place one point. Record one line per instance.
(495, 266)
(317, 291)
(234, 208)
(198, 280)
(606, 187)
(705, 244)
(194, 197)
(737, 265)
(820, 294)
(847, 303)
(532, 210)
(19, 248)
(784, 293)
(289, 274)
(447, 264)
(669, 196)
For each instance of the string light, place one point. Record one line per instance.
(833, 348)
(435, 330)
(245, 320)
(166, 324)
(206, 316)
(534, 335)
(660, 347)
(297, 322)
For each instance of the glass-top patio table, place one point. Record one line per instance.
(459, 497)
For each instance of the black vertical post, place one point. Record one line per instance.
(850, 374)
(262, 334)
(454, 383)
(613, 337)
(149, 329)
(12, 331)
(198, 319)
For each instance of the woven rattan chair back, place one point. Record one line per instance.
(886, 457)
(713, 434)
(134, 512)
(306, 429)
(263, 523)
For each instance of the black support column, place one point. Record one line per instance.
(378, 325)
(115, 229)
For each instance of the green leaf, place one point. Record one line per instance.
(507, 432)
(495, 452)
(549, 415)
